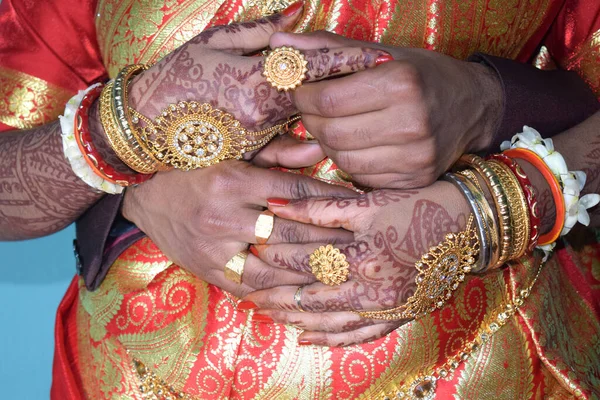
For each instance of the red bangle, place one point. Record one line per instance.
(91, 155)
(529, 191)
(555, 188)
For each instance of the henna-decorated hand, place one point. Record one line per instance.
(218, 66)
(392, 229)
(404, 123)
(202, 218)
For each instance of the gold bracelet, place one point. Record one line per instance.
(120, 103)
(517, 204)
(440, 272)
(190, 135)
(115, 137)
(500, 201)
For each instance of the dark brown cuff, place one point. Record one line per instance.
(548, 101)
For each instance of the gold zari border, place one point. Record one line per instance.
(27, 101)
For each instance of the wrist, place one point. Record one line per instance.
(489, 102)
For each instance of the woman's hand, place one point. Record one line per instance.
(217, 66)
(404, 123)
(200, 219)
(392, 229)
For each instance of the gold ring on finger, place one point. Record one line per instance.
(234, 269)
(329, 265)
(264, 227)
(285, 68)
(298, 298)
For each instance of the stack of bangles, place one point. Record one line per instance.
(186, 135)
(504, 224)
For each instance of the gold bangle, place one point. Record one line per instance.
(115, 137)
(440, 272)
(470, 180)
(191, 135)
(500, 201)
(517, 204)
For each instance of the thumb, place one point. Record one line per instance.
(249, 37)
(285, 151)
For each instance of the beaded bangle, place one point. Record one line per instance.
(559, 202)
(500, 201)
(474, 198)
(91, 155)
(530, 195)
(74, 155)
(517, 204)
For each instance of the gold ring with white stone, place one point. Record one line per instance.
(234, 269)
(264, 227)
(285, 68)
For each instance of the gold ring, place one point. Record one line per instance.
(285, 68)
(234, 269)
(264, 227)
(298, 298)
(329, 265)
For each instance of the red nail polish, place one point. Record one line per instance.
(253, 251)
(304, 342)
(265, 319)
(278, 202)
(246, 305)
(292, 9)
(383, 59)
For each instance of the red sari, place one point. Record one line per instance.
(152, 326)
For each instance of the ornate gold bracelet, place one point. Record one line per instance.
(190, 135)
(500, 201)
(440, 272)
(517, 204)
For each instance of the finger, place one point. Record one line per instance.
(312, 40)
(333, 322)
(247, 37)
(264, 184)
(327, 63)
(329, 212)
(361, 335)
(285, 151)
(259, 275)
(395, 180)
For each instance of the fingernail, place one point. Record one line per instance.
(278, 202)
(265, 319)
(383, 59)
(253, 250)
(246, 305)
(293, 9)
(304, 342)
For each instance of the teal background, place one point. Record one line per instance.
(34, 276)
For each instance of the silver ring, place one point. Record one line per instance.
(298, 298)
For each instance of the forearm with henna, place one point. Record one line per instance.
(39, 193)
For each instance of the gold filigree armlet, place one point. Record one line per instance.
(440, 271)
(190, 135)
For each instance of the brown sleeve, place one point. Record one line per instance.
(549, 101)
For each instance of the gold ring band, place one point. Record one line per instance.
(298, 298)
(329, 265)
(234, 269)
(285, 68)
(264, 227)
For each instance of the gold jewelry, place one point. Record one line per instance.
(234, 269)
(117, 141)
(440, 272)
(329, 265)
(298, 298)
(191, 135)
(500, 201)
(264, 227)
(285, 68)
(517, 204)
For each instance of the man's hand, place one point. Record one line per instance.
(403, 123)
